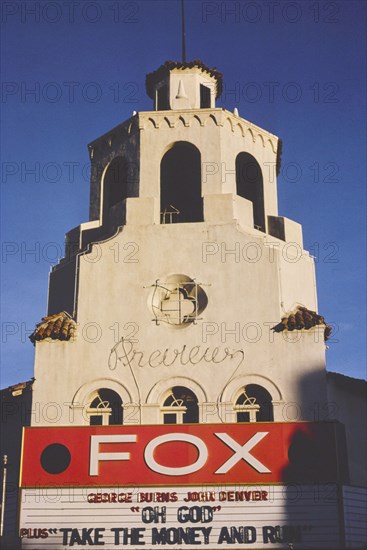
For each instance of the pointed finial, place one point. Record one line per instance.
(181, 91)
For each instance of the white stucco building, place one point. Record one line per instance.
(186, 299)
(179, 277)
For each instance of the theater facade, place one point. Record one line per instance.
(180, 377)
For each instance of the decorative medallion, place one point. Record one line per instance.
(178, 300)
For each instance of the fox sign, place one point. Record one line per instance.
(213, 454)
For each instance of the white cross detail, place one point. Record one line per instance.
(177, 306)
(242, 453)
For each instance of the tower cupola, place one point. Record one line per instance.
(184, 85)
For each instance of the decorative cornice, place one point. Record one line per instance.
(203, 117)
(123, 130)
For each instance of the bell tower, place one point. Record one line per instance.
(180, 86)
(186, 296)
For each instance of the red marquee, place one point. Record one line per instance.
(180, 455)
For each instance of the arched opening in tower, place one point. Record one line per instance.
(180, 407)
(256, 400)
(115, 184)
(181, 200)
(249, 184)
(105, 408)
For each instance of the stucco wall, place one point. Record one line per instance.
(245, 299)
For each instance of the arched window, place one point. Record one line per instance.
(181, 200)
(180, 407)
(249, 183)
(105, 408)
(115, 183)
(254, 404)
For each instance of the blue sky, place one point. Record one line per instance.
(73, 70)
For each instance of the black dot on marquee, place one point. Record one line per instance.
(55, 458)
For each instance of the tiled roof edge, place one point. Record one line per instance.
(302, 319)
(60, 326)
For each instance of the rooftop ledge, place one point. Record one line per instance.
(217, 112)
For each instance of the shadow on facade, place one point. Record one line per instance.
(313, 479)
